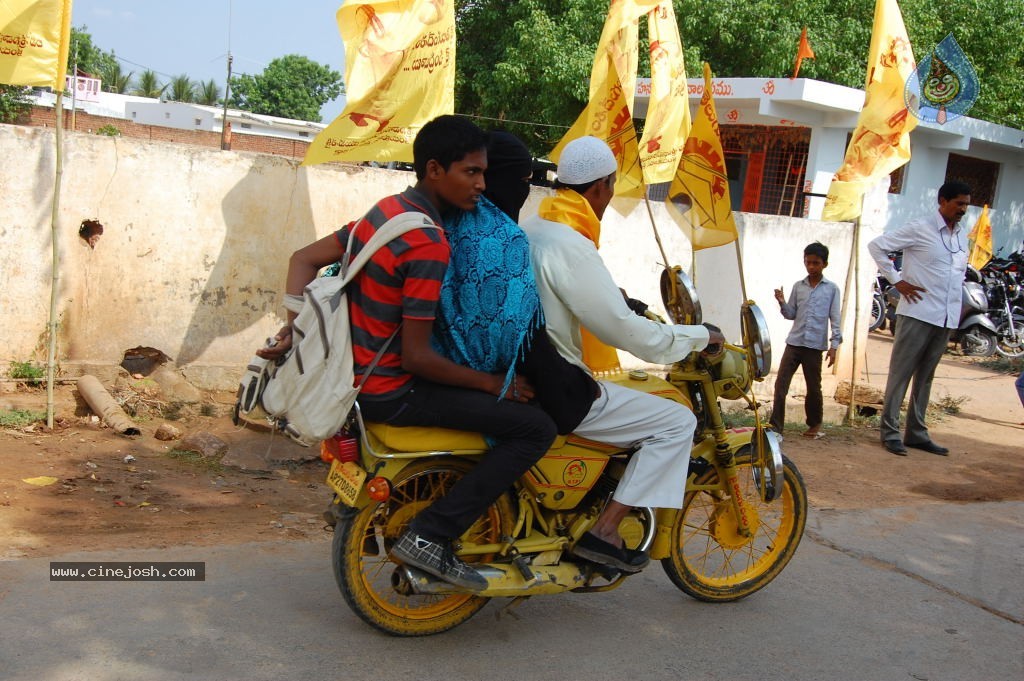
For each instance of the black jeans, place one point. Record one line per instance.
(810, 359)
(523, 433)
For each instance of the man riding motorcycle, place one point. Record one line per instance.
(577, 289)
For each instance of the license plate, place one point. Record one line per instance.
(346, 478)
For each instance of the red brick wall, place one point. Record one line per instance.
(42, 116)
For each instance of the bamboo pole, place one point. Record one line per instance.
(854, 272)
(654, 226)
(739, 261)
(55, 257)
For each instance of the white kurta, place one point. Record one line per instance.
(577, 289)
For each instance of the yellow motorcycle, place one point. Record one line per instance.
(742, 518)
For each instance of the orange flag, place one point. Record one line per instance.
(804, 51)
(881, 140)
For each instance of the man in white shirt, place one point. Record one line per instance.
(930, 286)
(576, 289)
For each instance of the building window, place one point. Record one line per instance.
(303, 134)
(199, 121)
(979, 175)
(167, 114)
(896, 179)
(246, 126)
(766, 167)
(134, 114)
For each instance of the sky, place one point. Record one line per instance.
(193, 37)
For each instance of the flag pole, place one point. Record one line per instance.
(854, 272)
(739, 261)
(654, 226)
(55, 257)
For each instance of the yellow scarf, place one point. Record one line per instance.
(570, 208)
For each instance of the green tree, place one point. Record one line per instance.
(182, 89)
(531, 60)
(290, 87)
(14, 101)
(89, 58)
(114, 80)
(208, 93)
(149, 85)
(527, 61)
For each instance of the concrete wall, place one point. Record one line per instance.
(194, 253)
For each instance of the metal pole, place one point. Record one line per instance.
(227, 91)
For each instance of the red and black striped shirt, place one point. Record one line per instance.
(401, 281)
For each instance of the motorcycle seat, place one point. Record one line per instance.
(426, 439)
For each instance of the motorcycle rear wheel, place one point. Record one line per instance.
(363, 538)
(710, 561)
(978, 342)
(877, 312)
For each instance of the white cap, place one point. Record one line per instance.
(584, 160)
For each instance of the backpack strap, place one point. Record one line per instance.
(376, 358)
(390, 230)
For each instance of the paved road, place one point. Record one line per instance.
(930, 593)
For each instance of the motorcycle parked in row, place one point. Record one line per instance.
(976, 333)
(743, 516)
(883, 314)
(1002, 278)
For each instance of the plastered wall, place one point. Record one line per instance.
(196, 243)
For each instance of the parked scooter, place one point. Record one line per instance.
(976, 333)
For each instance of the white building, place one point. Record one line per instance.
(784, 139)
(89, 97)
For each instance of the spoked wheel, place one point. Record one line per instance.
(711, 560)
(365, 574)
(1011, 344)
(877, 312)
(978, 342)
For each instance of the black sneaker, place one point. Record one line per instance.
(597, 550)
(437, 559)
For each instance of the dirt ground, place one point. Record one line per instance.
(112, 491)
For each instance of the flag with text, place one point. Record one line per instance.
(399, 74)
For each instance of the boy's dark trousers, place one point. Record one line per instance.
(793, 357)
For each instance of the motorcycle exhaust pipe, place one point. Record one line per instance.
(502, 581)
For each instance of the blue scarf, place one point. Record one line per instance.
(489, 301)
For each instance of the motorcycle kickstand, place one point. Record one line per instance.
(507, 609)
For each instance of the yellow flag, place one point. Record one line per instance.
(668, 115)
(609, 113)
(698, 198)
(399, 74)
(34, 40)
(881, 140)
(981, 240)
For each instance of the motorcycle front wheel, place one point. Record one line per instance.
(710, 560)
(363, 538)
(877, 312)
(1011, 344)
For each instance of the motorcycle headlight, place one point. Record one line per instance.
(679, 296)
(731, 373)
(756, 340)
